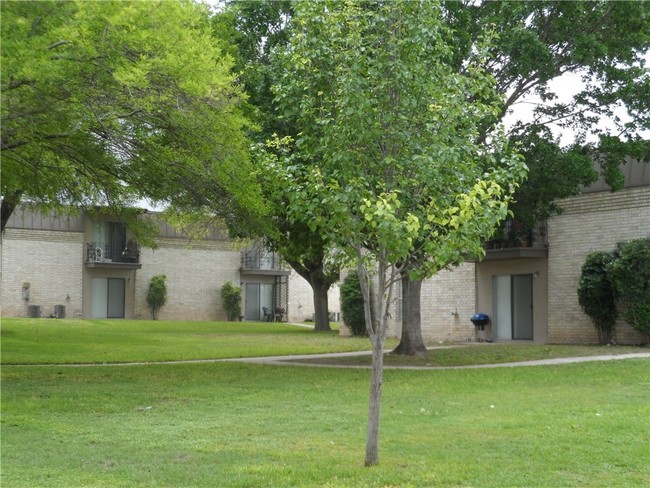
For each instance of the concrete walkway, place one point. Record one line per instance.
(305, 360)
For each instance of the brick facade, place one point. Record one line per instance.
(448, 300)
(51, 262)
(590, 222)
(195, 270)
(49, 254)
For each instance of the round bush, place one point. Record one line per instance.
(231, 300)
(597, 295)
(352, 305)
(631, 278)
(157, 295)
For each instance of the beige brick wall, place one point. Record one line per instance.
(195, 272)
(447, 301)
(51, 261)
(591, 222)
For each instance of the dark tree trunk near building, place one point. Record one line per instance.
(411, 342)
(9, 204)
(320, 283)
(320, 288)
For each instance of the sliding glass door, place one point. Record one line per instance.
(513, 307)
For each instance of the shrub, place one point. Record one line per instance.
(157, 295)
(352, 305)
(631, 277)
(597, 295)
(231, 300)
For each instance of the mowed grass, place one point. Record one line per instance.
(474, 354)
(243, 425)
(52, 341)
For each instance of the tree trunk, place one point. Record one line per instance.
(411, 342)
(374, 404)
(9, 204)
(321, 305)
(320, 284)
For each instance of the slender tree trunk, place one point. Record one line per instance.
(411, 342)
(376, 314)
(321, 305)
(374, 404)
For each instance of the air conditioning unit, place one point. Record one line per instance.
(99, 255)
(59, 311)
(34, 311)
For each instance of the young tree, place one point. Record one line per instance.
(603, 42)
(403, 184)
(107, 103)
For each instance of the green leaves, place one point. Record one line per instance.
(111, 102)
(393, 128)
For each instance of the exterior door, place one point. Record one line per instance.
(259, 296)
(522, 307)
(108, 297)
(513, 307)
(115, 298)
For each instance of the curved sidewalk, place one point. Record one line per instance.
(303, 360)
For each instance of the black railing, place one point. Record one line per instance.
(106, 252)
(257, 257)
(513, 234)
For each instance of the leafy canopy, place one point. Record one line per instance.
(395, 129)
(111, 102)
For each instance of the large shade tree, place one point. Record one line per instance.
(256, 29)
(602, 42)
(108, 103)
(403, 182)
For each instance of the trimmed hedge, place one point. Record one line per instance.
(352, 305)
(617, 279)
(597, 295)
(157, 295)
(231, 300)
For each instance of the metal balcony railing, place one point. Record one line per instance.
(513, 234)
(259, 258)
(106, 252)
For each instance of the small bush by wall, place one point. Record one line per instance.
(597, 295)
(231, 300)
(352, 305)
(630, 273)
(157, 295)
(617, 280)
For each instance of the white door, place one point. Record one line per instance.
(513, 307)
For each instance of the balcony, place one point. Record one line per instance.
(516, 241)
(258, 260)
(113, 255)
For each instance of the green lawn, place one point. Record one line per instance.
(39, 341)
(245, 425)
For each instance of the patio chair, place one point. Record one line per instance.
(268, 316)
